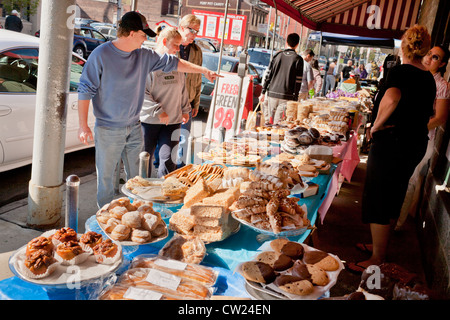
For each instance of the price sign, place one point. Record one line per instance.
(226, 98)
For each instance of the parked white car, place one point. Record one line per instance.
(18, 80)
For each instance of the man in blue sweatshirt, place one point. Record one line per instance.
(114, 80)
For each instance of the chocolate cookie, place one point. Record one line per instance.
(294, 285)
(321, 259)
(258, 272)
(292, 249)
(311, 273)
(278, 261)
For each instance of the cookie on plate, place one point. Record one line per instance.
(278, 261)
(294, 285)
(321, 259)
(292, 249)
(257, 271)
(311, 273)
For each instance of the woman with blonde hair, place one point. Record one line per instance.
(166, 106)
(399, 141)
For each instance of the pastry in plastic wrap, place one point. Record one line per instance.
(187, 249)
(194, 272)
(164, 283)
(118, 292)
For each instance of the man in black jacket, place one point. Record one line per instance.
(13, 22)
(283, 80)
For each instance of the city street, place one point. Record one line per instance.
(14, 183)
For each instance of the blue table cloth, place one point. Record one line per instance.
(223, 256)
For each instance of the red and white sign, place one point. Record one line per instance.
(227, 105)
(212, 26)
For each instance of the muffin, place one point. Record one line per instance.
(69, 250)
(89, 240)
(106, 251)
(39, 243)
(65, 234)
(38, 262)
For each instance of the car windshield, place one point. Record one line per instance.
(261, 58)
(211, 62)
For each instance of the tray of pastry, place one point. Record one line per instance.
(290, 270)
(152, 189)
(51, 258)
(132, 224)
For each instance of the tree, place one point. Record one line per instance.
(29, 7)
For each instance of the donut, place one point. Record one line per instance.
(120, 232)
(118, 211)
(150, 221)
(120, 202)
(111, 224)
(132, 219)
(140, 236)
(294, 285)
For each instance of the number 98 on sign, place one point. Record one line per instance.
(224, 118)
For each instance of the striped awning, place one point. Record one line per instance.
(368, 18)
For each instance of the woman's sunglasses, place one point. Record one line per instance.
(435, 57)
(191, 30)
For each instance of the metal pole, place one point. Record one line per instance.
(268, 29)
(72, 192)
(46, 186)
(144, 162)
(211, 114)
(119, 10)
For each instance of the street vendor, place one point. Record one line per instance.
(114, 78)
(166, 106)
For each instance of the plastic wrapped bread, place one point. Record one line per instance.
(165, 283)
(194, 272)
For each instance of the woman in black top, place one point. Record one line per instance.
(399, 142)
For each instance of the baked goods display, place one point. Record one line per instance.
(45, 259)
(131, 223)
(242, 152)
(264, 203)
(284, 267)
(206, 215)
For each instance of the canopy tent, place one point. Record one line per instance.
(342, 39)
(365, 18)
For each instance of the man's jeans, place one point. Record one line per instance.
(184, 142)
(112, 145)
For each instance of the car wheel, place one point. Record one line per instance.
(80, 51)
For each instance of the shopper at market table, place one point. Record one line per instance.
(345, 72)
(189, 27)
(166, 106)
(114, 78)
(436, 62)
(283, 80)
(399, 141)
(330, 77)
(362, 71)
(308, 75)
(317, 78)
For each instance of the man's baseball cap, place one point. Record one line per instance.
(135, 21)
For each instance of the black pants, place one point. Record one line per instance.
(391, 162)
(167, 138)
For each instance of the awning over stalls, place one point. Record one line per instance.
(342, 39)
(366, 18)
